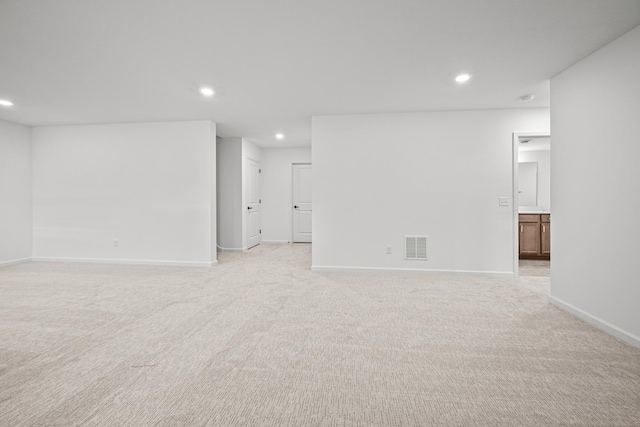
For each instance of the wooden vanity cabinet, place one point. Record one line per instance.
(534, 237)
(545, 235)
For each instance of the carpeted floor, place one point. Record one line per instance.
(260, 340)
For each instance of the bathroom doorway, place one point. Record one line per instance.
(532, 203)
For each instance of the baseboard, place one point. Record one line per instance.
(329, 268)
(127, 261)
(276, 242)
(535, 257)
(221, 249)
(14, 262)
(603, 325)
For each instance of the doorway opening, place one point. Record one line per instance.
(532, 202)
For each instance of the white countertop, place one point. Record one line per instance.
(534, 212)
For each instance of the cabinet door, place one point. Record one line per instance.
(529, 238)
(545, 233)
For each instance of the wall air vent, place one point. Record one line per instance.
(415, 247)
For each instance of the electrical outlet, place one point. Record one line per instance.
(503, 201)
(388, 249)
(115, 243)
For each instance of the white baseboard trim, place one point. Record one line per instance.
(127, 261)
(14, 262)
(276, 242)
(330, 268)
(221, 249)
(603, 325)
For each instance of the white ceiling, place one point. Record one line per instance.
(275, 63)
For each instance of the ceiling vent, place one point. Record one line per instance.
(415, 247)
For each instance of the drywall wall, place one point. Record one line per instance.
(543, 158)
(232, 154)
(229, 184)
(15, 193)
(276, 191)
(596, 182)
(213, 196)
(130, 193)
(379, 177)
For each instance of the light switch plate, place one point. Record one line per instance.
(503, 201)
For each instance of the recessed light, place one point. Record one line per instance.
(463, 78)
(527, 98)
(279, 136)
(6, 103)
(206, 91)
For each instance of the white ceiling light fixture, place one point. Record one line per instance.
(6, 103)
(462, 78)
(206, 91)
(279, 136)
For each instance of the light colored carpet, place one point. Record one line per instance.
(261, 340)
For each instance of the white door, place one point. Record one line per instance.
(302, 203)
(252, 177)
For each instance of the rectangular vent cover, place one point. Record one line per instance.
(415, 247)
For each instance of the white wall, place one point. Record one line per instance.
(15, 193)
(596, 182)
(229, 184)
(148, 185)
(543, 158)
(277, 191)
(379, 177)
(213, 195)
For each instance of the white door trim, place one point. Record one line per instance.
(514, 196)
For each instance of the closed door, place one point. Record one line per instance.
(252, 195)
(302, 203)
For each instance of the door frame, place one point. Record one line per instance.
(515, 140)
(293, 164)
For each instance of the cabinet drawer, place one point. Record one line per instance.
(529, 218)
(545, 218)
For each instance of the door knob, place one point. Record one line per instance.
(295, 207)
(249, 207)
